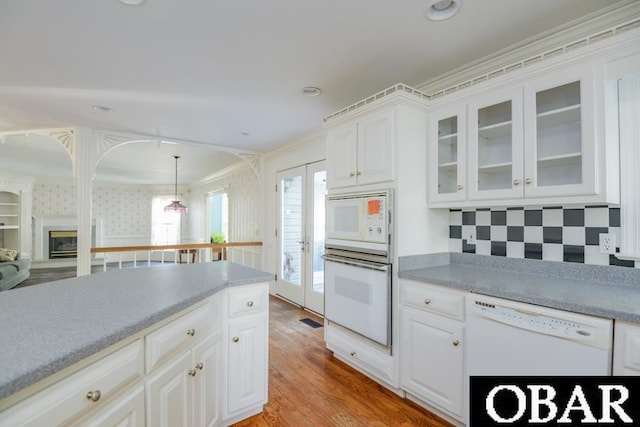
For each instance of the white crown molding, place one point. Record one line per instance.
(223, 173)
(589, 26)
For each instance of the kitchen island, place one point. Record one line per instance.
(53, 331)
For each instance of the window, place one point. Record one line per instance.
(165, 226)
(219, 217)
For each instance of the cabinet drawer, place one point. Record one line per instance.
(180, 334)
(247, 301)
(432, 298)
(69, 398)
(362, 354)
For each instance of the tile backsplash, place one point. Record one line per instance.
(550, 233)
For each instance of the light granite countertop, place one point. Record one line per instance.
(48, 327)
(604, 291)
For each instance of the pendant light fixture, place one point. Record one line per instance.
(175, 205)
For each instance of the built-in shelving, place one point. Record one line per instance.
(9, 220)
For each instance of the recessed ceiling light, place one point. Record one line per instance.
(101, 108)
(311, 91)
(440, 10)
(132, 2)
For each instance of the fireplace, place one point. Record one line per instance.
(63, 244)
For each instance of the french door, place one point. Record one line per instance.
(301, 193)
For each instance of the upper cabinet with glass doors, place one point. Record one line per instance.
(495, 146)
(559, 137)
(534, 144)
(447, 176)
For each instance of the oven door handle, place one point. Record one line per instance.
(355, 263)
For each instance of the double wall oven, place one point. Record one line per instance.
(358, 263)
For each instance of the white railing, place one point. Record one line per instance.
(245, 253)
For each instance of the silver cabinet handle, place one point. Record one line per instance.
(528, 180)
(235, 339)
(192, 372)
(353, 353)
(94, 395)
(516, 182)
(456, 343)
(200, 366)
(460, 187)
(358, 173)
(249, 303)
(427, 301)
(351, 174)
(191, 332)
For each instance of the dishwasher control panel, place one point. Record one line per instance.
(535, 322)
(577, 327)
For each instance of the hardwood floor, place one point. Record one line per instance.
(309, 387)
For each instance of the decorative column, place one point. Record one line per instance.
(84, 171)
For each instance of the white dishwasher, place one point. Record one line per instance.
(510, 338)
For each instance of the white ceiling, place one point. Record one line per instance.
(212, 71)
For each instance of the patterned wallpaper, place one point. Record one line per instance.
(125, 210)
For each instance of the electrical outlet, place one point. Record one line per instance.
(471, 237)
(607, 243)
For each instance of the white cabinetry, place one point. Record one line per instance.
(432, 346)
(447, 154)
(626, 348)
(246, 340)
(183, 358)
(367, 356)
(188, 365)
(496, 146)
(94, 392)
(361, 151)
(537, 143)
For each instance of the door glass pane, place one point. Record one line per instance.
(494, 147)
(448, 155)
(317, 246)
(291, 226)
(559, 134)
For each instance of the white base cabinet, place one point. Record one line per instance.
(432, 346)
(626, 349)
(197, 374)
(246, 381)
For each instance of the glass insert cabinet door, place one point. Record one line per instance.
(560, 144)
(447, 138)
(496, 146)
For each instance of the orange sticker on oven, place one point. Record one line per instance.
(373, 207)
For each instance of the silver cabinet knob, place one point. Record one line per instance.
(528, 180)
(516, 182)
(351, 174)
(191, 332)
(456, 343)
(358, 173)
(353, 353)
(200, 366)
(249, 303)
(460, 187)
(192, 372)
(427, 301)
(94, 395)
(235, 339)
